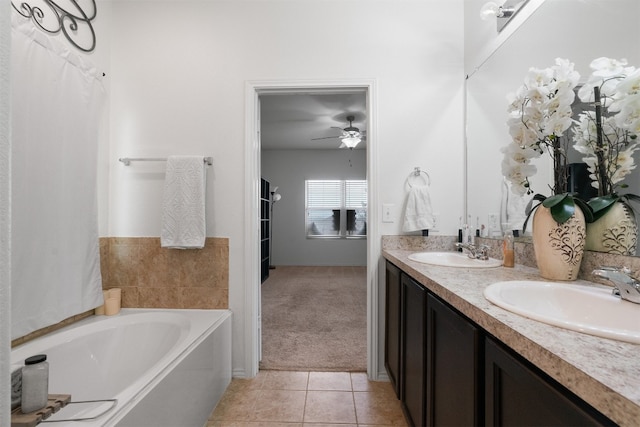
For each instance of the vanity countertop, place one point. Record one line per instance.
(605, 373)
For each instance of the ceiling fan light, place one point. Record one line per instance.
(351, 141)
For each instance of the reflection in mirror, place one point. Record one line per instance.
(482, 38)
(501, 13)
(570, 29)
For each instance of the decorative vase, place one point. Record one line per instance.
(558, 247)
(616, 232)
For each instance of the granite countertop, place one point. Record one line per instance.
(603, 372)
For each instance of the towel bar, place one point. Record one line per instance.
(127, 160)
(417, 172)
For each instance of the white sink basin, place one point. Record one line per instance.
(453, 259)
(588, 309)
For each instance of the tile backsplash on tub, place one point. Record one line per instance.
(154, 277)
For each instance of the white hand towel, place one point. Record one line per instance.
(418, 213)
(183, 203)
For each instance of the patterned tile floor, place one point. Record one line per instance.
(309, 399)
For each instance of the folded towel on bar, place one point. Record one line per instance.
(418, 213)
(183, 203)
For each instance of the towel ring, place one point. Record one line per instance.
(416, 174)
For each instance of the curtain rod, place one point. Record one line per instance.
(127, 160)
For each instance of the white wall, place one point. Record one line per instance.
(5, 214)
(178, 72)
(288, 169)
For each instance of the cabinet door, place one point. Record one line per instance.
(516, 395)
(392, 327)
(414, 356)
(453, 386)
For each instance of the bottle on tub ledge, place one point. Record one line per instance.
(112, 302)
(35, 383)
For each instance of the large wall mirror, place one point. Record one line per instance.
(577, 30)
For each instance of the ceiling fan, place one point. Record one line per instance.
(350, 137)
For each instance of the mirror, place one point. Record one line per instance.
(577, 30)
(483, 36)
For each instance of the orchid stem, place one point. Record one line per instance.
(602, 173)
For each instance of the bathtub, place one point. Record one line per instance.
(159, 367)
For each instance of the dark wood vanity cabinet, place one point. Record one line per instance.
(434, 365)
(453, 381)
(518, 395)
(413, 365)
(447, 371)
(392, 327)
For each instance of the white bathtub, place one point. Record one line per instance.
(164, 367)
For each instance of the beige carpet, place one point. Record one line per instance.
(315, 318)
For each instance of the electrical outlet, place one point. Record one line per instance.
(387, 212)
(436, 223)
(494, 226)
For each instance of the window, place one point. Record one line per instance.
(336, 208)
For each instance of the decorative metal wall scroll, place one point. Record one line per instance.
(66, 16)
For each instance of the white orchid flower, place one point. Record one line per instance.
(539, 112)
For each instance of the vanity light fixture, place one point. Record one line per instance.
(491, 9)
(503, 13)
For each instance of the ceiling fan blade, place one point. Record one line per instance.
(347, 133)
(326, 137)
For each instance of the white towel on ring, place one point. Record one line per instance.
(418, 214)
(183, 203)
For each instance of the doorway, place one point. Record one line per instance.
(313, 302)
(252, 313)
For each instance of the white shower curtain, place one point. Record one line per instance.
(56, 108)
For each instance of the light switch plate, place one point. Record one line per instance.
(387, 212)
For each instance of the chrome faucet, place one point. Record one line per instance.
(626, 287)
(480, 253)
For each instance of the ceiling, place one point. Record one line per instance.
(290, 121)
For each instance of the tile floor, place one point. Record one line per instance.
(309, 399)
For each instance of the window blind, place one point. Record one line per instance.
(336, 208)
(355, 194)
(324, 194)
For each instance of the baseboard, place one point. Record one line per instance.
(383, 376)
(239, 373)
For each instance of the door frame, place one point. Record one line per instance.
(253, 89)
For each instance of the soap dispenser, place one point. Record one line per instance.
(508, 256)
